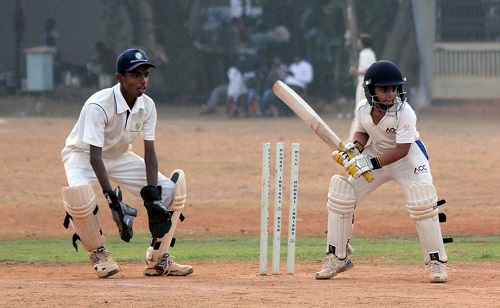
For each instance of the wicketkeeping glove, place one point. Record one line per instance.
(123, 214)
(159, 218)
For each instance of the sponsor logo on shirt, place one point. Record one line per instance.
(420, 169)
(391, 130)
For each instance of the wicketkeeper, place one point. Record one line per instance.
(99, 147)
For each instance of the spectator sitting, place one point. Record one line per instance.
(236, 90)
(255, 77)
(300, 74)
(218, 93)
(278, 71)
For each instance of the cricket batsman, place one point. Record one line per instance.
(396, 153)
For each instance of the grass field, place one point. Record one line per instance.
(385, 251)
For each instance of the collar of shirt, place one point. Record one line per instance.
(121, 104)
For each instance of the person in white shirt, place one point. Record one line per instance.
(99, 147)
(300, 75)
(366, 58)
(394, 153)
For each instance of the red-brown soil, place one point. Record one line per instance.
(222, 161)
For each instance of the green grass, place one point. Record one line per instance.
(402, 249)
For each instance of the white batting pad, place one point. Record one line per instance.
(341, 204)
(421, 202)
(177, 205)
(80, 203)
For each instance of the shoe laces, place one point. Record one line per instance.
(101, 254)
(436, 267)
(332, 262)
(165, 264)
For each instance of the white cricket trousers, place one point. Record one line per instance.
(127, 171)
(412, 169)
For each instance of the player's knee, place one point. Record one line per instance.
(421, 200)
(179, 200)
(341, 195)
(83, 213)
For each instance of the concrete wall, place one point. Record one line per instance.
(80, 25)
(468, 79)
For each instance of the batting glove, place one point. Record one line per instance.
(347, 151)
(361, 164)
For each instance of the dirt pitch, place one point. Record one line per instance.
(222, 161)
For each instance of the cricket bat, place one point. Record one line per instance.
(310, 118)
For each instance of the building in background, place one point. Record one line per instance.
(459, 47)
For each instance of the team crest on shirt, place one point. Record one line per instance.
(137, 126)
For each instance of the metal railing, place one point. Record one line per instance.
(467, 60)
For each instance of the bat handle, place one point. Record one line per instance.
(368, 176)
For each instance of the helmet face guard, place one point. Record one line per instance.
(384, 74)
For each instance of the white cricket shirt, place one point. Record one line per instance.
(395, 127)
(107, 122)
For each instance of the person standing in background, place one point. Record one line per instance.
(366, 58)
(50, 38)
(106, 58)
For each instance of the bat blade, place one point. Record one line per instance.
(310, 118)
(306, 114)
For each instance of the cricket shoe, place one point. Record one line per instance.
(103, 263)
(334, 266)
(166, 266)
(437, 271)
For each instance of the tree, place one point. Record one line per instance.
(401, 44)
(159, 28)
(167, 30)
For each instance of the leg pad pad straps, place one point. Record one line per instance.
(160, 246)
(341, 204)
(83, 213)
(422, 204)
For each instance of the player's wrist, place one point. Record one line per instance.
(376, 163)
(111, 198)
(359, 146)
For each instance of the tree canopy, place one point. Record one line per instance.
(194, 40)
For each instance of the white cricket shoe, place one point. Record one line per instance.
(437, 271)
(103, 263)
(166, 266)
(333, 266)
